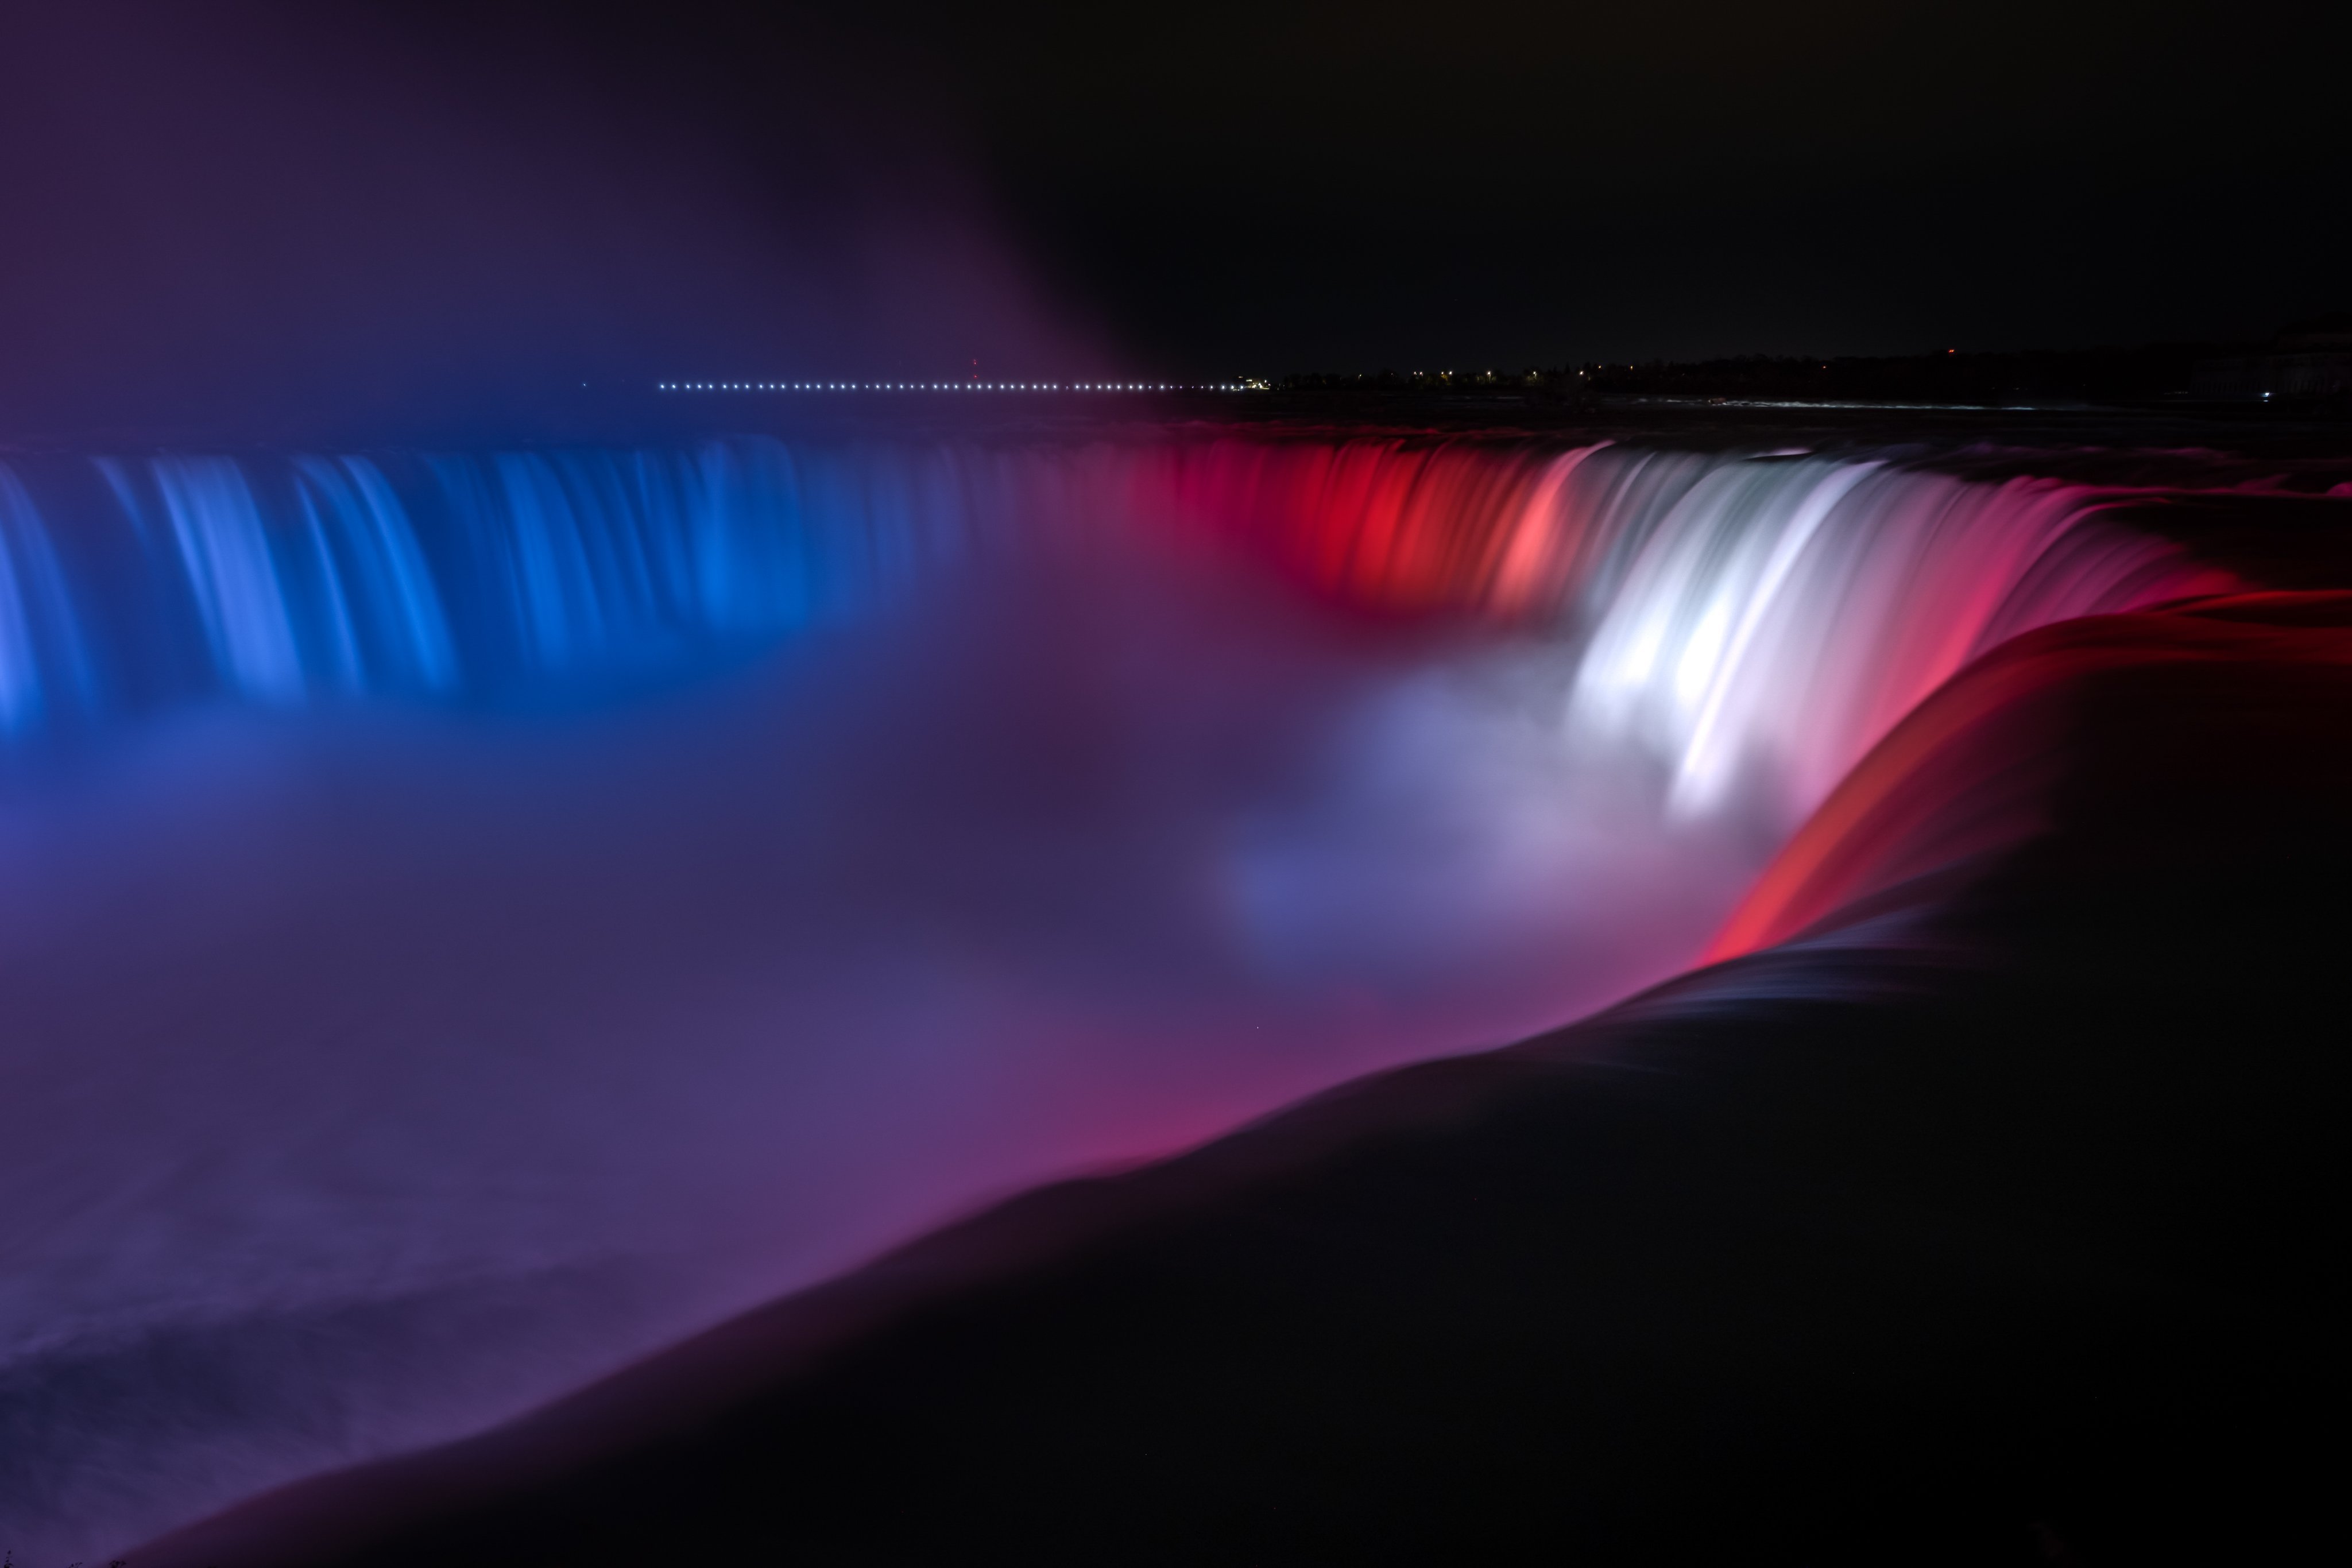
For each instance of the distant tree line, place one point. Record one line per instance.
(2152, 372)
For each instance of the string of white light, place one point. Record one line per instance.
(957, 386)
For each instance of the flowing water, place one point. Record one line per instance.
(469, 919)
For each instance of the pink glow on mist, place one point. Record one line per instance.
(1159, 783)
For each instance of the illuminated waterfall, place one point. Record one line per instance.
(1742, 618)
(919, 822)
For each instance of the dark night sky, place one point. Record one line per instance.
(1353, 185)
(262, 206)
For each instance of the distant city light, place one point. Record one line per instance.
(1247, 383)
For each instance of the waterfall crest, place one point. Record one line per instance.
(1745, 620)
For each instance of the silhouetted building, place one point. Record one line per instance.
(2306, 360)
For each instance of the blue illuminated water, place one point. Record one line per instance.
(127, 583)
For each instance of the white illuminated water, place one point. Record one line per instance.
(467, 920)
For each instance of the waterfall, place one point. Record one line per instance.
(1745, 621)
(468, 919)
(1742, 620)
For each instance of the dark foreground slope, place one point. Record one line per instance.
(1999, 1220)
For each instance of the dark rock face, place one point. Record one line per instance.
(1998, 1217)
